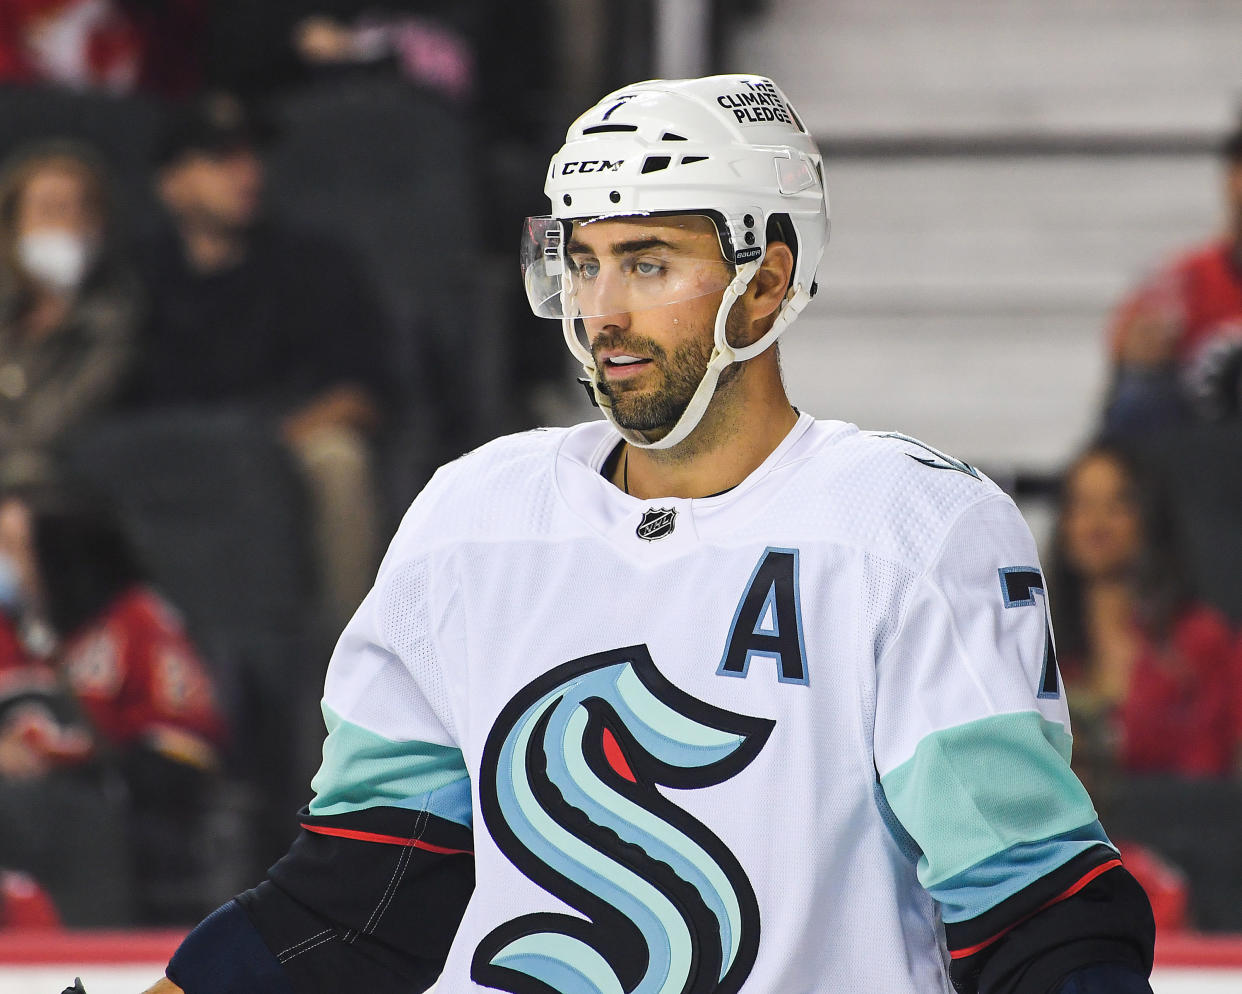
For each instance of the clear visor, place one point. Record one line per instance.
(611, 265)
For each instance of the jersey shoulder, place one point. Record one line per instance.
(897, 496)
(142, 608)
(496, 462)
(1210, 257)
(1192, 269)
(502, 489)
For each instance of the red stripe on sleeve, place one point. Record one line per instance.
(1082, 882)
(388, 840)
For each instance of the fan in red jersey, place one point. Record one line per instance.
(100, 688)
(80, 43)
(117, 46)
(1177, 339)
(1151, 672)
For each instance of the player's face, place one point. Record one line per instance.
(1101, 527)
(652, 287)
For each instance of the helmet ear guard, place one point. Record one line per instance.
(730, 148)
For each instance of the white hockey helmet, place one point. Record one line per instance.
(730, 148)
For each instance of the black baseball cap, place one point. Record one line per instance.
(211, 124)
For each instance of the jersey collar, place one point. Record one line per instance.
(614, 514)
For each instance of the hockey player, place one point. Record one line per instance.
(708, 696)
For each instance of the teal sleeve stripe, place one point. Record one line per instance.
(973, 791)
(985, 885)
(362, 769)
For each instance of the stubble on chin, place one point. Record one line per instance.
(653, 408)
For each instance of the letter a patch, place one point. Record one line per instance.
(768, 621)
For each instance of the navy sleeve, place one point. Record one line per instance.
(201, 964)
(368, 901)
(1105, 978)
(1073, 918)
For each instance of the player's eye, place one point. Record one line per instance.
(588, 269)
(645, 267)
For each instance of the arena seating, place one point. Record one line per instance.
(215, 507)
(998, 175)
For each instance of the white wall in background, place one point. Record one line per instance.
(965, 300)
(968, 67)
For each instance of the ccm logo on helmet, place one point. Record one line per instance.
(591, 166)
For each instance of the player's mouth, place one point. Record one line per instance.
(621, 365)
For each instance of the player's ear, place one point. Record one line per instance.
(763, 296)
(771, 282)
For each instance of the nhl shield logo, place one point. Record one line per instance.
(657, 522)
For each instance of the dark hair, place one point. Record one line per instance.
(1231, 147)
(212, 122)
(1161, 584)
(66, 155)
(86, 560)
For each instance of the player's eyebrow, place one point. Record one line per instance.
(621, 248)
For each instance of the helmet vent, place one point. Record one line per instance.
(654, 163)
(688, 159)
(600, 129)
(668, 136)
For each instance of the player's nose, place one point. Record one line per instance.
(610, 309)
(611, 297)
(606, 326)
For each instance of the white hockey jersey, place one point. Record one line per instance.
(772, 740)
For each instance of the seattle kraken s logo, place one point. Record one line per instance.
(568, 791)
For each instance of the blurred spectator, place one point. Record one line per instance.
(118, 46)
(68, 304)
(1151, 675)
(1177, 339)
(424, 52)
(109, 729)
(24, 904)
(476, 75)
(258, 49)
(250, 312)
(1165, 884)
(77, 43)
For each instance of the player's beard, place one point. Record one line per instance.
(655, 410)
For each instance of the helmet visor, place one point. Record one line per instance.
(620, 264)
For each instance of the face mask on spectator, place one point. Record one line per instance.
(10, 586)
(56, 258)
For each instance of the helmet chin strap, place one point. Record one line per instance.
(723, 354)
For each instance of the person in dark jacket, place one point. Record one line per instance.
(248, 311)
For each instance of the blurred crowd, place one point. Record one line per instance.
(255, 284)
(1143, 577)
